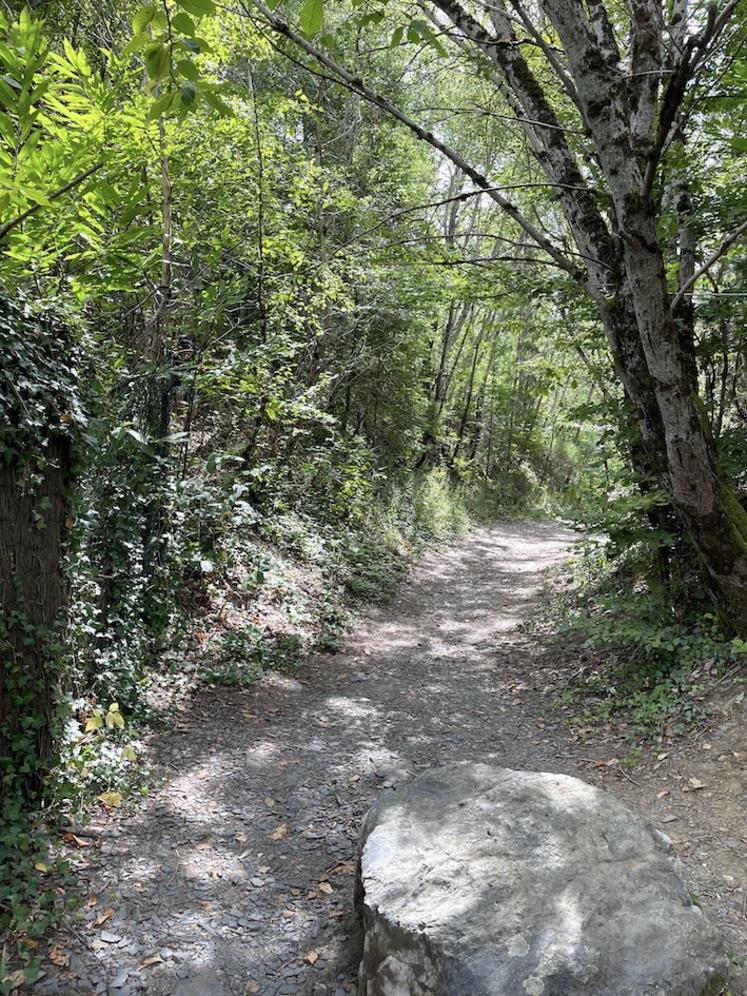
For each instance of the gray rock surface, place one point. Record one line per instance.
(479, 880)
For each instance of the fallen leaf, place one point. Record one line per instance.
(281, 831)
(213, 873)
(660, 795)
(204, 905)
(108, 912)
(312, 957)
(270, 803)
(72, 838)
(110, 799)
(91, 901)
(58, 956)
(153, 960)
(695, 784)
(17, 979)
(41, 867)
(244, 854)
(326, 887)
(205, 845)
(240, 836)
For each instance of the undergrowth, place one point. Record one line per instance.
(657, 649)
(249, 584)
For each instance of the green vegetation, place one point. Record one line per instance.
(286, 294)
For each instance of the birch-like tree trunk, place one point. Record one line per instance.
(629, 101)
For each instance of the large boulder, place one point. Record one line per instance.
(478, 880)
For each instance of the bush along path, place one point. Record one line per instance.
(236, 875)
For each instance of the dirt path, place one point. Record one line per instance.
(236, 876)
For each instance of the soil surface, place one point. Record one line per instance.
(236, 875)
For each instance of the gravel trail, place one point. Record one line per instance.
(236, 874)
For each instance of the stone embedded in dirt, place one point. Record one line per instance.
(478, 880)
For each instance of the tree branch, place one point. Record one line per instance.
(357, 85)
(713, 258)
(76, 181)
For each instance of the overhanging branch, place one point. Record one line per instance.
(357, 85)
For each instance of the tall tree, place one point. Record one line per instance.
(600, 134)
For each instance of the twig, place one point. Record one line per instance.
(713, 258)
(15, 222)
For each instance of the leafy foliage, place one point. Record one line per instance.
(287, 344)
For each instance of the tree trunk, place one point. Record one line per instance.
(707, 505)
(37, 421)
(32, 527)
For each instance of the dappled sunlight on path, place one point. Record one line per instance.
(236, 876)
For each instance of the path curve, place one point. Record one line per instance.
(236, 875)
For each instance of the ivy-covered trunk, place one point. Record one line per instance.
(32, 529)
(38, 413)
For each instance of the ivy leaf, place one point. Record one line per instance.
(197, 7)
(312, 16)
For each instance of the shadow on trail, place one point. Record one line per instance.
(236, 876)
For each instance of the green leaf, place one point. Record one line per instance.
(312, 16)
(196, 45)
(188, 94)
(197, 7)
(397, 36)
(187, 69)
(157, 60)
(142, 19)
(162, 106)
(217, 104)
(135, 44)
(183, 23)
